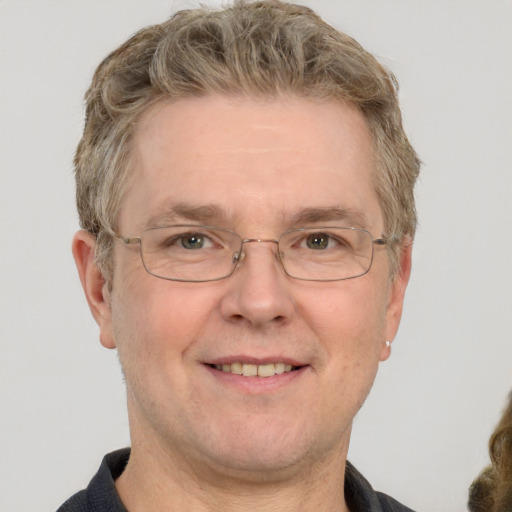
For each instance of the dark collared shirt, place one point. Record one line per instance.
(101, 494)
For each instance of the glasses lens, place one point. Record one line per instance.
(190, 253)
(326, 254)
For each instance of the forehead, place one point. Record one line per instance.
(243, 159)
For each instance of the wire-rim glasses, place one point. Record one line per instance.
(192, 253)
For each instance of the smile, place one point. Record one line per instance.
(256, 370)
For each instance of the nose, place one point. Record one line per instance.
(259, 290)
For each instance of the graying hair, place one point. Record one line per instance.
(260, 49)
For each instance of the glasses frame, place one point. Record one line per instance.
(239, 255)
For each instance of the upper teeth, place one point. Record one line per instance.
(253, 370)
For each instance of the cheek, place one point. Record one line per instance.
(349, 324)
(350, 315)
(158, 322)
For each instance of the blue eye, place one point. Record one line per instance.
(194, 241)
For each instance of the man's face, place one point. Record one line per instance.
(261, 165)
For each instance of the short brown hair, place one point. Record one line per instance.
(263, 49)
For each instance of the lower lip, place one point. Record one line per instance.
(257, 385)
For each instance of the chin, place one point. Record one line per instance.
(263, 455)
(266, 465)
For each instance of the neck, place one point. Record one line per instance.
(156, 480)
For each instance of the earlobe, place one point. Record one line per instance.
(94, 285)
(385, 351)
(397, 294)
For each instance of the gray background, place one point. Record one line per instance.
(422, 435)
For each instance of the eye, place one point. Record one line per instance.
(319, 241)
(194, 241)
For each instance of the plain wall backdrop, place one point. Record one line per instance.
(422, 435)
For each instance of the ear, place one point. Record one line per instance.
(396, 296)
(94, 285)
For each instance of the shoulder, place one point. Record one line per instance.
(388, 504)
(77, 503)
(101, 494)
(361, 497)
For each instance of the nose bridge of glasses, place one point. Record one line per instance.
(259, 240)
(240, 257)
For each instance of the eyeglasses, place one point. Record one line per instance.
(194, 253)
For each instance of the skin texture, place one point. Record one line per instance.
(209, 440)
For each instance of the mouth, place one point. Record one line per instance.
(256, 370)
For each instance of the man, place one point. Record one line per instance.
(245, 190)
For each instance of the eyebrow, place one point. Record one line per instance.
(213, 214)
(350, 217)
(181, 211)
